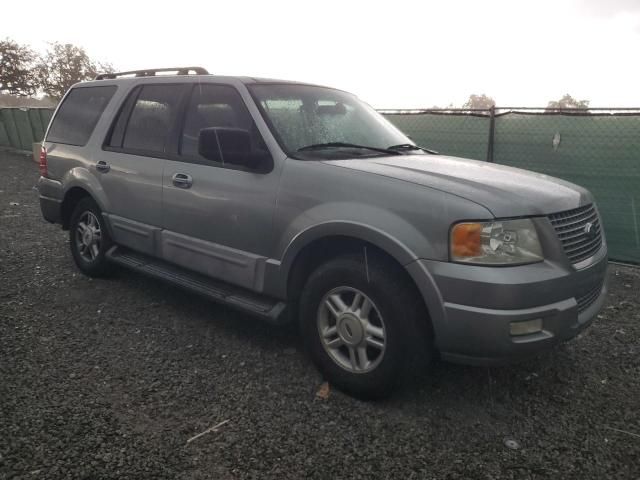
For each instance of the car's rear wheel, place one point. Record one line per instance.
(359, 321)
(89, 239)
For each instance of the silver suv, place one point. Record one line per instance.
(299, 202)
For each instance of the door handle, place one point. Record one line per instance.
(182, 180)
(102, 166)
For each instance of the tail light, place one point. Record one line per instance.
(43, 162)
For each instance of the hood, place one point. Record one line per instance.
(505, 191)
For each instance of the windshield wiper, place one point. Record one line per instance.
(320, 146)
(410, 146)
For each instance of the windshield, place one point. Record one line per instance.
(302, 116)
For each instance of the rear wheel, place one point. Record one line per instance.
(89, 239)
(359, 321)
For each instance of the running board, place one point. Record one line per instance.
(236, 297)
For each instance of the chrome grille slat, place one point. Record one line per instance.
(586, 253)
(575, 244)
(570, 241)
(569, 227)
(575, 235)
(576, 219)
(582, 248)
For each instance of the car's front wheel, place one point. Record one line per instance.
(358, 319)
(89, 239)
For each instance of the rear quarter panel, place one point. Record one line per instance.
(72, 165)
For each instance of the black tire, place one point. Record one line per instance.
(98, 266)
(398, 304)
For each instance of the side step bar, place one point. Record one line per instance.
(236, 297)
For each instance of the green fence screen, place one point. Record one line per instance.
(9, 126)
(598, 151)
(20, 127)
(458, 135)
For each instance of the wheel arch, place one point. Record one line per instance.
(79, 183)
(71, 198)
(320, 243)
(319, 249)
(329, 239)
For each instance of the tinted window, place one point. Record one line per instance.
(117, 133)
(78, 115)
(152, 118)
(215, 106)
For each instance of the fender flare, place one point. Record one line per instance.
(416, 270)
(380, 239)
(80, 177)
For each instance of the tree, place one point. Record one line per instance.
(64, 65)
(16, 69)
(567, 102)
(479, 101)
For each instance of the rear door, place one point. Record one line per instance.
(130, 164)
(219, 221)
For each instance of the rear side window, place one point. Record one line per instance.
(151, 119)
(78, 115)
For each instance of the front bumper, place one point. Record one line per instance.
(480, 303)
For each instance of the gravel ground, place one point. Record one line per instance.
(110, 378)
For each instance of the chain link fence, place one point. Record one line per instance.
(598, 149)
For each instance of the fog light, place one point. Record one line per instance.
(526, 328)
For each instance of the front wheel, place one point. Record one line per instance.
(359, 320)
(89, 239)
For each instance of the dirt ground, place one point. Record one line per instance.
(109, 379)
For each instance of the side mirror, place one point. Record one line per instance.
(226, 145)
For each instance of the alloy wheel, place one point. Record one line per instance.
(88, 236)
(351, 329)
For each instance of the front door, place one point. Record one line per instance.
(217, 217)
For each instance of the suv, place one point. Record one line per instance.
(299, 202)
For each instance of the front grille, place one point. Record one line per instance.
(586, 300)
(570, 227)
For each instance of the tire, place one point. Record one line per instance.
(89, 249)
(394, 311)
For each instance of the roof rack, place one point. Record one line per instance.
(151, 72)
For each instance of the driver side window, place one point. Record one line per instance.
(215, 106)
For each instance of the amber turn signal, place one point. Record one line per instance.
(465, 240)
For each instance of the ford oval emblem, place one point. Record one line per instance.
(589, 231)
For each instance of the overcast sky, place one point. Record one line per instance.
(394, 53)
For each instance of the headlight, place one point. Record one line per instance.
(501, 242)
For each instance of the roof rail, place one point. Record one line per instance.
(151, 72)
